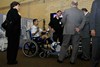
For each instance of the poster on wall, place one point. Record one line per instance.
(1, 19)
(4, 18)
(29, 24)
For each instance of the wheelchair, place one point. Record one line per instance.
(32, 46)
(44, 47)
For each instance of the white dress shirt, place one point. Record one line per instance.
(34, 29)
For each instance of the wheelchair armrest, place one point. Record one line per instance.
(29, 32)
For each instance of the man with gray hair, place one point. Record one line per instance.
(73, 21)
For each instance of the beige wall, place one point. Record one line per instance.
(41, 9)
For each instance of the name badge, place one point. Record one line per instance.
(59, 22)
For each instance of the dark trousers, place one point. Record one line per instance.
(96, 51)
(75, 43)
(86, 47)
(58, 36)
(12, 50)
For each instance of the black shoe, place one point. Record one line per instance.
(72, 62)
(12, 62)
(59, 61)
(85, 59)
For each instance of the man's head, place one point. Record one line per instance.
(84, 10)
(35, 22)
(74, 3)
(59, 13)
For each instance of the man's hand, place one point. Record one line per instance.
(77, 29)
(37, 29)
(53, 30)
(93, 32)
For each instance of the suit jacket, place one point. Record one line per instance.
(95, 17)
(14, 24)
(56, 24)
(85, 32)
(72, 18)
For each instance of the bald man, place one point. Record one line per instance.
(73, 21)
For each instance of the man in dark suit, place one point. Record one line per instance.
(85, 36)
(95, 32)
(73, 21)
(57, 26)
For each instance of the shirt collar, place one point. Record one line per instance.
(34, 26)
(86, 13)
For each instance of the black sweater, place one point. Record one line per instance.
(14, 23)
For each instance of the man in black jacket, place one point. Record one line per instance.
(57, 26)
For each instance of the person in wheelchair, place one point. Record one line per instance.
(36, 43)
(36, 31)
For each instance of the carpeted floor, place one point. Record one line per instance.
(50, 61)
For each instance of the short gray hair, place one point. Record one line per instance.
(74, 3)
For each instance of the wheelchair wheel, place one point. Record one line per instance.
(42, 54)
(30, 48)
